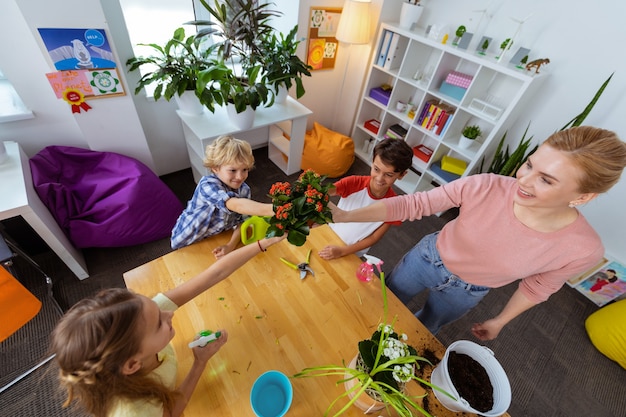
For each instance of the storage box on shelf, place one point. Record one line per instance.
(423, 152)
(475, 91)
(372, 125)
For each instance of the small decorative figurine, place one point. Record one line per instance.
(536, 64)
(459, 34)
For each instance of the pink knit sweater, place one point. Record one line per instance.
(486, 245)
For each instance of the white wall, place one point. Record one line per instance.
(334, 106)
(112, 124)
(580, 38)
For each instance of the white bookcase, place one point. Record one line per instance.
(496, 95)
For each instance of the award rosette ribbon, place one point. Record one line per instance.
(76, 99)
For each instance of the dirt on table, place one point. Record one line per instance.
(471, 381)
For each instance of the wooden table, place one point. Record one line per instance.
(277, 321)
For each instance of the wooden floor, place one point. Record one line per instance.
(553, 368)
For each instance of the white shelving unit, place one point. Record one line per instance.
(270, 126)
(498, 92)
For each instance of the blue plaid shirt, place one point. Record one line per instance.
(206, 213)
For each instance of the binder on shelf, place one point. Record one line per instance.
(393, 53)
(384, 48)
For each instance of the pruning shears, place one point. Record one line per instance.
(302, 267)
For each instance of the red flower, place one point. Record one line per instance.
(299, 205)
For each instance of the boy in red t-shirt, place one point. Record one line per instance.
(391, 160)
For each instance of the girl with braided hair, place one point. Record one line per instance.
(113, 350)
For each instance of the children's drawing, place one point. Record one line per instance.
(78, 49)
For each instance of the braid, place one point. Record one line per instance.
(93, 341)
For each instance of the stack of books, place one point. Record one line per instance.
(435, 117)
(395, 132)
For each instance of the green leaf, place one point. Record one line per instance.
(578, 120)
(296, 238)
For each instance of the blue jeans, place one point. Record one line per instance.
(449, 298)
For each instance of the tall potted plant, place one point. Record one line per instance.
(235, 72)
(242, 94)
(173, 67)
(282, 66)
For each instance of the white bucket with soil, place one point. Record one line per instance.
(485, 357)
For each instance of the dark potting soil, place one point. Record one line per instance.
(471, 381)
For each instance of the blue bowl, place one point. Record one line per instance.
(271, 394)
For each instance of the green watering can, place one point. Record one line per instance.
(253, 229)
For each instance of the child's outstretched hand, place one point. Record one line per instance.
(204, 353)
(330, 252)
(221, 251)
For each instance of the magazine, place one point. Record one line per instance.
(604, 284)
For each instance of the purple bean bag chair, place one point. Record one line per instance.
(103, 199)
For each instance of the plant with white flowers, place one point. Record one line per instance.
(393, 359)
(384, 364)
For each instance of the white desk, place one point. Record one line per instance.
(268, 128)
(19, 198)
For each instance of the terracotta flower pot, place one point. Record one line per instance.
(364, 401)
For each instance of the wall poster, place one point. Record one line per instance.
(322, 45)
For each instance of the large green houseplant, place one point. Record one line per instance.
(173, 67)
(281, 65)
(235, 74)
(220, 85)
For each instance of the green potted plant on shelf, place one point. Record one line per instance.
(377, 375)
(469, 135)
(237, 28)
(173, 67)
(242, 94)
(235, 75)
(281, 65)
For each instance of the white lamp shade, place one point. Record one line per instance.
(354, 24)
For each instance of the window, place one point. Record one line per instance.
(11, 106)
(154, 21)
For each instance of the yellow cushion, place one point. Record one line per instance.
(607, 330)
(327, 152)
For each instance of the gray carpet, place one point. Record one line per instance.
(553, 368)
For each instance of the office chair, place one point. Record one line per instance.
(17, 304)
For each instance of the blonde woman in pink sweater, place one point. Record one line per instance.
(525, 228)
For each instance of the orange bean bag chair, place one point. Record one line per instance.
(327, 152)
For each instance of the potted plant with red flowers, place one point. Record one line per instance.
(298, 206)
